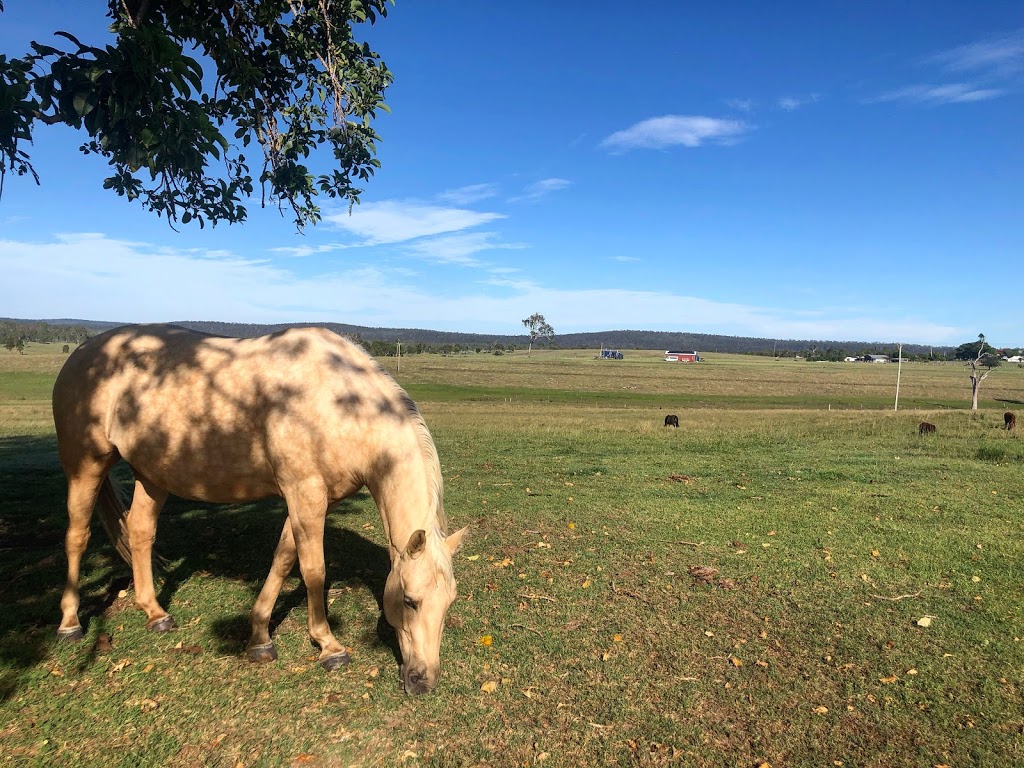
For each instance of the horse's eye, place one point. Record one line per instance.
(410, 603)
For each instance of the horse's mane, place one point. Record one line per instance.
(433, 463)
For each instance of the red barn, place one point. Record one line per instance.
(675, 356)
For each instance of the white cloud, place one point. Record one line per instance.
(741, 105)
(994, 57)
(625, 259)
(468, 195)
(952, 93)
(458, 248)
(395, 221)
(92, 276)
(539, 189)
(791, 103)
(676, 130)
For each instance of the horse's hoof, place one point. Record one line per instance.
(71, 635)
(335, 661)
(163, 624)
(261, 654)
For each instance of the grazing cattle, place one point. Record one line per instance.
(671, 420)
(1009, 420)
(303, 414)
(924, 428)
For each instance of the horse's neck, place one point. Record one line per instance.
(408, 502)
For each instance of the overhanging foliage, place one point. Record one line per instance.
(286, 74)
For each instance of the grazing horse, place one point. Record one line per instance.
(303, 414)
(924, 428)
(1009, 420)
(671, 420)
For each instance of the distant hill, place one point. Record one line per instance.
(623, 339)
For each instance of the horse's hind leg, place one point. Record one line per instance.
(84, 483)
(146, 505)
(260, 647)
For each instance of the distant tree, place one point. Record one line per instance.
(982, 359)
(287, 75)
(537, 327)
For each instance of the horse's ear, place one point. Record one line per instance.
(417, 543)
(456, 540)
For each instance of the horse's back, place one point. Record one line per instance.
(225, 419)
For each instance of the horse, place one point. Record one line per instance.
(924, 428)
(303, 414)
(1009, 420)
(671, 420)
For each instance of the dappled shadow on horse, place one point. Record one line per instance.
(302, 414)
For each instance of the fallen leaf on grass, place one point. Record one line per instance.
(703, 573)
(473, 557)
(486, 640)
(736, 662)
(587, 583)
(120, 665)
(889, 679)
(504, 563)
(820, 710)
(925, 621)
(490, 686)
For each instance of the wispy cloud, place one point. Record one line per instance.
(950, 93)
(741, 105)
(396, 221)
(676, 130)
(994, 57)
(540, 189)
(625, 259)
(990, 65)
(791, 103)
(459, 248)
(82, 272)
(468, 195)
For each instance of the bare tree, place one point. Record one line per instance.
(976, 375)
(538, 328)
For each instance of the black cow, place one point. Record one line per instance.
(671, 420)
(1009, 420)
(924, 428)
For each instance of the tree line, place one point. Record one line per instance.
(15, 334)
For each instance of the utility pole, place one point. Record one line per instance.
(399, 355)
(899, 368)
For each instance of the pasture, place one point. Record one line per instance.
(792, 578)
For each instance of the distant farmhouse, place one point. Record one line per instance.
(675, 356)
(870, 359)
(1014, 359)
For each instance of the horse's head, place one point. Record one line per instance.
(419, 590)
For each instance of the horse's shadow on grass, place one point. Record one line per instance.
(227, 542)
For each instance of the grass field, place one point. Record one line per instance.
(793, 578)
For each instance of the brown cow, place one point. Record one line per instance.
(924, 428)
(1009, 420)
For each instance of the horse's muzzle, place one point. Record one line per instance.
(417, 682)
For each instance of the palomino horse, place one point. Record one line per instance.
(302, 414)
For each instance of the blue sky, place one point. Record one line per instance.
(826, 170)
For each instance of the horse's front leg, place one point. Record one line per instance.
(307, 513)
(261, 647)
(146, 505)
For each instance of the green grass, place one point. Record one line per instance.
(833, 533)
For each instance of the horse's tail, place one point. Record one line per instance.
(113, 514)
